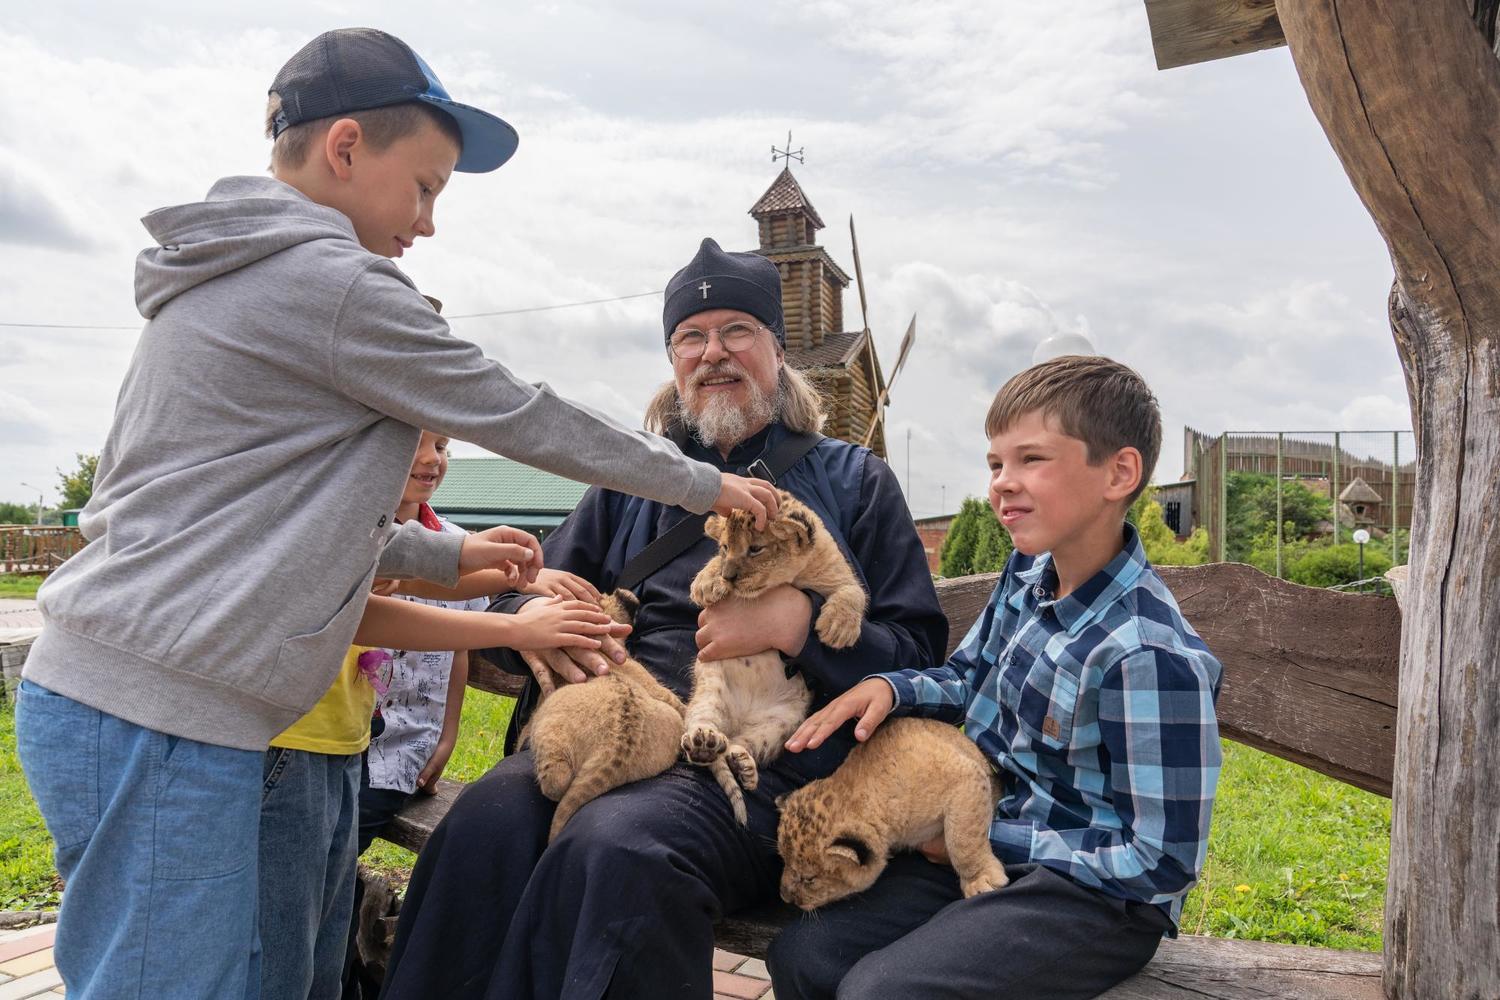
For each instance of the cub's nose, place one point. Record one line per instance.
(731, 571)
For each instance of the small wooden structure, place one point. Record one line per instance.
(36, 549)
(1309, 675)
(1408, 93)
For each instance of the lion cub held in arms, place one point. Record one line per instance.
(743, 709)
(914, 779)
(611, 730)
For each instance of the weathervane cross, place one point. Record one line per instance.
(704, 289)
(789, 153)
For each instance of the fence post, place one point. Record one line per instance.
(1395, 497)
(1335, 488)
(1223, 496)
(1279, 437)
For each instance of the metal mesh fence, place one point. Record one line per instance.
(1275, 500)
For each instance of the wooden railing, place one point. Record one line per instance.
(31, 548)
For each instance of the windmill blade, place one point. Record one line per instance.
(859, 278)
(878, 416)
(906, 343)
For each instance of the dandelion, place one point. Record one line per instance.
(1242, 888)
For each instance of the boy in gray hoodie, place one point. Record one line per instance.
(261, 438)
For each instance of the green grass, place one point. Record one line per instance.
(27, 879)
(481, 742)
(25, 587)
(1294, 857)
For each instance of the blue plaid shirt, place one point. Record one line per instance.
(1097, 710)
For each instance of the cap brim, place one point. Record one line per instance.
(488, 141)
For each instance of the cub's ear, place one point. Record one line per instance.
(781, 800)
(851, 848)
(714, 527)
(802, 529)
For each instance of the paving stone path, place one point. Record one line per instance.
(26, 969)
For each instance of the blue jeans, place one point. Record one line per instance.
(156, 839)
(308, 820)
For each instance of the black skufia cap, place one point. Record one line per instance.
(718, 279)
(355, 69)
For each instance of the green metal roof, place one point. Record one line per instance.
(501, 485)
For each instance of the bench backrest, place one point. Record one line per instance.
(1309, 675)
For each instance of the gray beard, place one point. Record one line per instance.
(722, 424)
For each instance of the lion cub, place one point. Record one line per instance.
(743, 709)
(606, 732)
(914, 779)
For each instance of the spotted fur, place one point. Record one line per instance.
(589, 738)
(743, 709)
(913, 780)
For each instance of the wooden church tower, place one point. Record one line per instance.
(841, 363)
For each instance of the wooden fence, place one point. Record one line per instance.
(29, 548)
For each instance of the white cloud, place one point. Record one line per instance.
(1017, 170)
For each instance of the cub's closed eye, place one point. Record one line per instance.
(755, 550)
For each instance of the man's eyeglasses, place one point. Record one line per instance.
(688, 343)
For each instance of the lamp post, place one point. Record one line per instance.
(40, 495)
(1361, 536)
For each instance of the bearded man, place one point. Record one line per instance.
(623, 903)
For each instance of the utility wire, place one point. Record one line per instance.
(478, 315)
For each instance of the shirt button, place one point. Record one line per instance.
(1039, 591)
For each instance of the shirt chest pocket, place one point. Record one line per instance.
(1043, 697)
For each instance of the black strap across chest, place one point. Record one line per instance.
(685, 533)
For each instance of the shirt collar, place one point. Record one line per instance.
(740, 456)
(1091, 599)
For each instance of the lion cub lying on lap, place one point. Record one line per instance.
(590, 738)
(913, 780)
(744, 708)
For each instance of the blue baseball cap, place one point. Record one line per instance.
(355, 69)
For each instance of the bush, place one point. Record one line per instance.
(1161, 545)
(1330, 565)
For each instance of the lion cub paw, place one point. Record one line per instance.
(708, 589)
(838, 627)
(991, 876)
(704, 745)
(742, 764)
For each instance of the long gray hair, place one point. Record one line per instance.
(801, 408)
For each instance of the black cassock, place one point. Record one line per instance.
(623, 904)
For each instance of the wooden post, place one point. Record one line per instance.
(1408, 92)
(1279, 530)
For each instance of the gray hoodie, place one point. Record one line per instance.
(261, 440)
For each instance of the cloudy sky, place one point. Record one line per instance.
(1016, 170)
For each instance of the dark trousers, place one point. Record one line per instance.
(621, 905)
(913, 935)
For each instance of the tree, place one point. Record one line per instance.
(1250, 512)
(994, 545)
(77, 486)
(963, 535)
(1408, 93)
(17, 513)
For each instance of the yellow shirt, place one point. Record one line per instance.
(340, 722)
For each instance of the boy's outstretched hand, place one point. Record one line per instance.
(554, 623)
(870, 701)
(502, 548)
(561, 583)
(754, 495)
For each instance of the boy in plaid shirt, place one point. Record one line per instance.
(1094, 701)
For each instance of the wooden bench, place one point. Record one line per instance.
(1309, 675)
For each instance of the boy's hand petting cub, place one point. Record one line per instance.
(553, 623)
(870, 701)
(503, 548)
